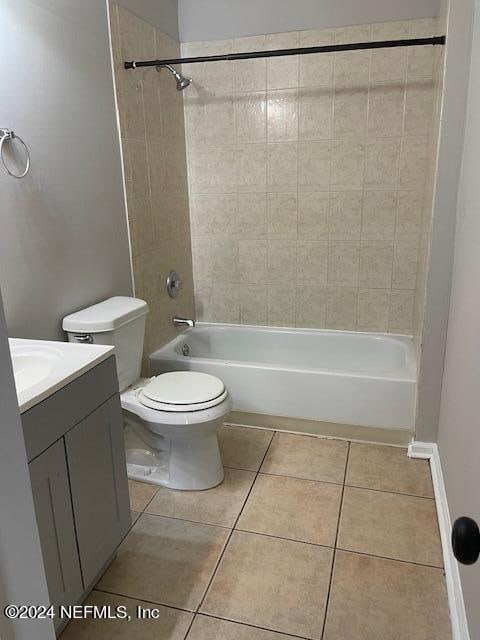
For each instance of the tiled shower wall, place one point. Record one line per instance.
(308, 178)
(153, 142)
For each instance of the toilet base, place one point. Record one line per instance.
(186, 463)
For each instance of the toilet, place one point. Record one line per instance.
(170, 420)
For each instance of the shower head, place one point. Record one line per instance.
(182, 81)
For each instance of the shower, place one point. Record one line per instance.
(182, 81)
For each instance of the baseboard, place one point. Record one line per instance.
(458, 616)
(377, 435)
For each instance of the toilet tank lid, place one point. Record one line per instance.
(105, 316)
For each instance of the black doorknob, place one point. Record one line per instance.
(466, 540)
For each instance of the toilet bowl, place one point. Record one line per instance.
(171, 420)
(171, 424)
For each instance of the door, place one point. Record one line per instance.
(98, 481)
(53, 509)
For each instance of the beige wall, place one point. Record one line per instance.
(153, 142)
(307, 178)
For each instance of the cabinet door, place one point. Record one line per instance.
(98, 481)
(53, 508)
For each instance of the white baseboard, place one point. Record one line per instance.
(458, 616)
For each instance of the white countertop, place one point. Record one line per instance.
(42, 367)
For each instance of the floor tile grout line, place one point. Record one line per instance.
(207, 524)
(233, 528)
(254, 626)
(395, 493)
(137, 599)
(327, 601)
(371, 555)
(270, 535)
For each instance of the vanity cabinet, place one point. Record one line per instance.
(98, 483)
(75, 448)
(53, 509)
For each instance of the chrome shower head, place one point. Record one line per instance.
(182, 81)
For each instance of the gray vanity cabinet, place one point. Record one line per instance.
(98, 483)
(76, 454)
(53, 509)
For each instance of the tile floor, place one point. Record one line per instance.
(307, 537)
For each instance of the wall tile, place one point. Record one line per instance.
(348, 165)
(342, 308)
(316, 69)
(310, 307)
(343, 263)
(132, 121)
(309, 174)
(401, 312)
(381, 163)
(418, 107)
(405, 263)
(379, 213)
(253, 303)
(312, 262)
(376, 265)
(409, 216)
(250, 167)
(315, 113)
(252, 261)
(389, 65)
(281, 305)
(212, 170)
(282, 159)
(213, 215)
(282, 73)
(413, 163)
(420, 62)
(251, 216)
(249, 75)
(345, 217)
(281, 261)
(373, 309)
(226, 303)
(350, 111)
(313, 212)
(250, 117)
(137, 150)
(385, 111)
(282, 115)
(313, 166)
(352, 68)
(282, 215)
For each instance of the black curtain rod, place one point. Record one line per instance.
(356, 46)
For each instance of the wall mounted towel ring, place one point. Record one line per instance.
(7, 135)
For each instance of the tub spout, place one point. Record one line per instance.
(183, 322)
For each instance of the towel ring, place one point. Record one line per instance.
(7, 135)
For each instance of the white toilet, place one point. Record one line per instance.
(171, 420)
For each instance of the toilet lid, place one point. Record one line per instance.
(181, 389)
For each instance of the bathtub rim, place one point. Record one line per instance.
(409, 374)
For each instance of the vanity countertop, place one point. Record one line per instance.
(42, 367)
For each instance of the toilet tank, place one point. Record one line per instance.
(118, 321)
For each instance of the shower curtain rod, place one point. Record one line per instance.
(355, 46)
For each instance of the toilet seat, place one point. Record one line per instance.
(182, 391)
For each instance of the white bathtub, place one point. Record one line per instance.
(341, 377)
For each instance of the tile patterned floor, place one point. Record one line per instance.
(307, 538)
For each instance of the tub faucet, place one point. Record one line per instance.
(183, 322)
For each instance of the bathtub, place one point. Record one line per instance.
(341, 377)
